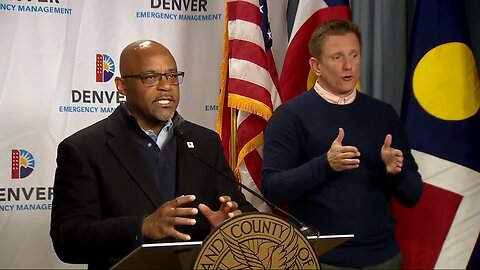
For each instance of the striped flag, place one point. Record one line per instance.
(441, 113)
(302, 19)
(250, 87)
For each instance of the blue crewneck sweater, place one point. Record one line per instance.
(296, 172)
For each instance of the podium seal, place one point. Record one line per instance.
(256, 241)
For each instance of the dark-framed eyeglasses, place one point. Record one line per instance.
(153, 78)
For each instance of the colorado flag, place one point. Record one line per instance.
(441, 113)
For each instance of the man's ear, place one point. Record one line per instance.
(315, 66)
(121, 87)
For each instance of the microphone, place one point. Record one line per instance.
(304, 229)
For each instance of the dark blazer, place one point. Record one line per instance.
(103, 190)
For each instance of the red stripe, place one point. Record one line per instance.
(293, 80)
(248, 129)
(244, 11)
(253, 162)
(272, 69)
(248, 51)
(422, 230)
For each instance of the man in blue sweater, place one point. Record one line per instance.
(336, 156)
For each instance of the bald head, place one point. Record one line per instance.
(136, 51)
(152, 104)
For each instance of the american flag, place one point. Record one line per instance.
(250, 87)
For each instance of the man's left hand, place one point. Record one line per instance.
(393, 158)
(227, 210)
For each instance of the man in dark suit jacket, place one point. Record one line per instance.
(132, 178)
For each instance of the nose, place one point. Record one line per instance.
(163, 84)
(347, 64)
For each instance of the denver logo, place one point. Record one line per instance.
(105, 68)
(23, 163)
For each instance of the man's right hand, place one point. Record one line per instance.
(160, 224)
(341, 157)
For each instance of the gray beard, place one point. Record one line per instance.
(163, 118)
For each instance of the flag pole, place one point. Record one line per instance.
(233, 138)
(223, 101)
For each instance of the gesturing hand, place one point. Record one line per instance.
(393, 158)
(227, 210)
(160, 224)
(341, 157)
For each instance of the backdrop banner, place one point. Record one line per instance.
(58, 61)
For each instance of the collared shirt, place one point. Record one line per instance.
(164, 134)
(332, 98)
(162, 137)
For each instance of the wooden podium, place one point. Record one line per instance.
(252, 240)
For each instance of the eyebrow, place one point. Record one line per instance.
(153, 71)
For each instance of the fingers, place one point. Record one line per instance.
(181, 200)
(341, 157)
(388, 141)
(349, 149)
(235, 213)
(394, 169)
(224, 199)
(228, 208)
(227, 204)
(398, 158)
(393, 158)
(339, 148)
(395, 162)
(161, 222)
(398, 154)
(184, 221)
(352, 152)
(215, 218)
(205, 210)
(172, 210)
(181, 212)
(349, 163)
(340, 136)
(232, 205)
(347, 156)
(170, 231)
(181, 236)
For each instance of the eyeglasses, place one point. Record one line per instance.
(153, 78)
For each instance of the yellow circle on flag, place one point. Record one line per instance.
(445, 82)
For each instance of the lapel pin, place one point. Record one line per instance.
(190, 145)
